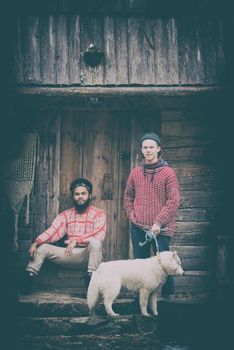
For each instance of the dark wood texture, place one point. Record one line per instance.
(48, 50)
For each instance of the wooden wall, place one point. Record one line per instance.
(48, 50)
(95, 143)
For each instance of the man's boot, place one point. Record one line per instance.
(26, 282)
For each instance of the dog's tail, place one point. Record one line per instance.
(93, 291)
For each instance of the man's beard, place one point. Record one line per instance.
(80, 208)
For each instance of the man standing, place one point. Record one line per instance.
(151, 200)
(85, 227)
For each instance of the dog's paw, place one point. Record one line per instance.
(146, 314)
(113, 315)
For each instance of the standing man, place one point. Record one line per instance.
(151, 200)
(85, 227)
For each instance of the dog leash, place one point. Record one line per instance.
(149, 235)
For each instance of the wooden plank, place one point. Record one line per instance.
(48, 43)
(32, 73)
(135, 50)
(187, 153)
(194, 226)
(74, 49)
(148, 51)
(121, 53)
(109, 51)
(189, 183)
(122, 167)
(193, 127)
(191, 65)
(200, 199)
(61, 50)
(193, 169)
(192, 239)
(18, 51)
(166, 52)
(196, 257)
(71, 154)
(182, 115)
(53, 159)
(213, 51)
(192, 214)
(92, 33)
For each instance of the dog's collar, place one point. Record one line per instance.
(158, 257)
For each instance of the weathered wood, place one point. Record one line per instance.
(166, 52)
(92, 33)
(109, 51)
(121, 51)
(62, 59)
(200, 199)
(196, 257)
(74, 49)
(138, 50)
(32, 74)
(71, 154)
(17, 73)
(48, 47)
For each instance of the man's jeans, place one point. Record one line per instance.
(90, 256)
(137, 236)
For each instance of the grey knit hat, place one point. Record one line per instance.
(151, 136)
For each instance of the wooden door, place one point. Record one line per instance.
(102, 145)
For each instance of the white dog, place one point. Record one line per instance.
(143, 275)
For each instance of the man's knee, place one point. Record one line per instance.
(95, 244)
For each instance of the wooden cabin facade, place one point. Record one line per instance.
(160, 73)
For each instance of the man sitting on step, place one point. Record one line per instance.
(85, 227)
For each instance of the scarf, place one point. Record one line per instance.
(153, 168)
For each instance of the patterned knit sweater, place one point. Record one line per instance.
(91, 223)
(152, 198)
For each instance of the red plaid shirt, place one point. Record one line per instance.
(152, 198)
(91, 223)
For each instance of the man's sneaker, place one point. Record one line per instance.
(87, 279)
(26, 282)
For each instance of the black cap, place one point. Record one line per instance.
(151, 136)
(81, 182)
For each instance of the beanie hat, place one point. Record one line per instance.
(81, 182)
(151, 136)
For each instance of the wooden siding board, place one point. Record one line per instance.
(61, 50)
(74, 49)
(32, 64)
(135, 50)
(48, 47)
(91, 33)
(213, 51)
(122, 168)
(71, 154)
(166, 52)
(109, 51)
(53, 190)
(138, 50)
(121, 51)
(148, 64)
(17, 74)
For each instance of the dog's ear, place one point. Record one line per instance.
(174, 252)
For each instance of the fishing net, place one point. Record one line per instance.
(19, 179)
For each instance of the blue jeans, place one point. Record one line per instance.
(144, 252)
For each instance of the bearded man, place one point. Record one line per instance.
(84, 226)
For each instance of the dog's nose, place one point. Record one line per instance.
(183, 273)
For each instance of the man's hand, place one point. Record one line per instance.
(32, 250)
(156, 229)
(68, 251)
